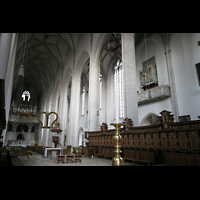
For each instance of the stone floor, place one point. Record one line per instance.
(38, 160)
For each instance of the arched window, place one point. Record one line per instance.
(100, 96)
(26, 93)
(118, 78)
(83, 101)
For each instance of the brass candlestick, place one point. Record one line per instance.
(117, 160)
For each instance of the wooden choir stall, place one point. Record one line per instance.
(168, 142)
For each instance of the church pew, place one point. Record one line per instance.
(181, 159)
(109, 153)
(144, 156)
(166, 136)
(101, 152)
(128, 154)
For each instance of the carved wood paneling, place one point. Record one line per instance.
(182, 137)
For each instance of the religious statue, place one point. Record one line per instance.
(21, 135)
(104, 127)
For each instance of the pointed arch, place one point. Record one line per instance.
(81, 133)
(83, 58)
(149, 119)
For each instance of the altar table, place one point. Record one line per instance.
(53, 149)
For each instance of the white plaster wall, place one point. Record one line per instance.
(185, 54)
(154, 47)
(154, 107)
(11, 136)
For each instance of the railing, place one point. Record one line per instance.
(154, 94)
(13, 118)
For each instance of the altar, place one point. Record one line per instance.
(23, 143)
(53, 149)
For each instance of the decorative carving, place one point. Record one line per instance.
(166, 118)
(153, 94)
(182, 137)
(16, 119)
(104, 127)
(128, 124)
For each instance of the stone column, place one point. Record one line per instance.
(41, 131)
(29, 131)
(93, 104)
(130, 82)
(5, 43)
(172, 82)
(14, 129)
(8, 44)
(74, 110)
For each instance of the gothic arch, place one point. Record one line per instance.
(56, 96)
(99, 44)
(83, 58)
(149, 119)
(80, 133)
(146, 47)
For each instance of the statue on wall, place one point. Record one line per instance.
(104, 127)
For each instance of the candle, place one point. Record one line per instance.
(117, 102)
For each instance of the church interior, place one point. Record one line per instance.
(100, 99)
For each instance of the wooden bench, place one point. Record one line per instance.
(70, 158)
(78, 158)
(89, 152)
(109, 153)
(144, 156)
(128, 154)
(100, 152)
(61, 159)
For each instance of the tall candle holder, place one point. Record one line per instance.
(117, 160)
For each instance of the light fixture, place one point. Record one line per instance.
(47, 114)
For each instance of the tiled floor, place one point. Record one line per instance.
(37, 160)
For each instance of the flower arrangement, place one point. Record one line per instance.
(29, 152)
(16, 149)
(75, 150)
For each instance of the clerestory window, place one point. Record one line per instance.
(100, 82)
(83, 101)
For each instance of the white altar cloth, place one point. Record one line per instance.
(53, 149)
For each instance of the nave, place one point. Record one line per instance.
(37, 160)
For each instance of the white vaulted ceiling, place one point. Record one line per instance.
(42, 55)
